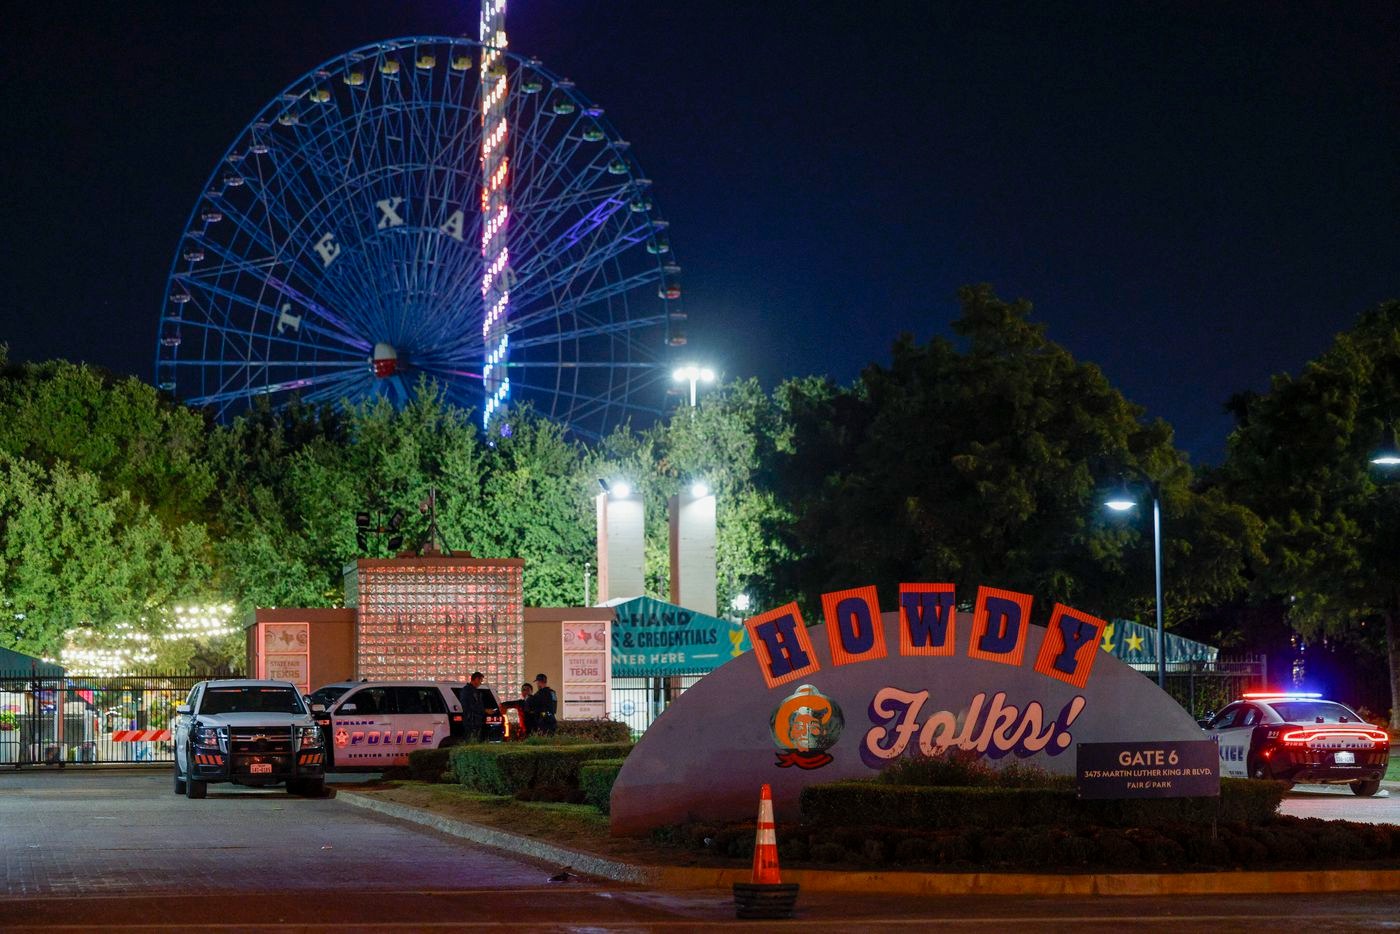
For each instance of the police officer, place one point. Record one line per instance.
(544, 703)
(473, 712)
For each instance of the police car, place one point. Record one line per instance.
(374, 725)
(248, 732)
(1300, 738)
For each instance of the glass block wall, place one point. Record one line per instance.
(439, 619)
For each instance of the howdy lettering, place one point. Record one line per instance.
(928, 625)
(994, 729)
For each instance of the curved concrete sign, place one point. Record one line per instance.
(845, 698)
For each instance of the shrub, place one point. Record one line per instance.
(429, 765)
(893, 802)
(508, 769)
(595, 731)
(595, 781)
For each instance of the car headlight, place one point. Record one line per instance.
(308, 737)
(215, 737)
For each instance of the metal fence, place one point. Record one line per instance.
(638, 701)
(1205, 687)
(63, 721)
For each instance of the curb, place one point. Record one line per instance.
(905, 883)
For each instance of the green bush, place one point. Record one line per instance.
(506, 769)
(595, 780)
(595, 731)
(429, 765)
(888, 802)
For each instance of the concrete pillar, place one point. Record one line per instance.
(694, 583)
(621, 547)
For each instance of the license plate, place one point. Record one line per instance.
(1344, 758)
(261, 768)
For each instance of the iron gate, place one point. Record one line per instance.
(62, 721)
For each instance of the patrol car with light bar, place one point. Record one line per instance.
(374, 725)
(1300, 738)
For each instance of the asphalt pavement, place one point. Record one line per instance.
(117, 850)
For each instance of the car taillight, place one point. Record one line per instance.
(1377, 737)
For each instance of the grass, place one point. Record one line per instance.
(576, 826)
(1392, 774)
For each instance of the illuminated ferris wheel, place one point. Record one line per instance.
(426, 206)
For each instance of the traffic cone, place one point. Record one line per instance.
(765, 844)
(765, 896)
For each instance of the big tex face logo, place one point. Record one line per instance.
(805, 725)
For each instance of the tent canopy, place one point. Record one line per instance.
(1136, 644)
(16, 664)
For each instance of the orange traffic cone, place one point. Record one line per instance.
(766, 896)
(765, 844)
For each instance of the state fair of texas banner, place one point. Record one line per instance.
(850, 695)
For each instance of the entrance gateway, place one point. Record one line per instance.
(851, 695)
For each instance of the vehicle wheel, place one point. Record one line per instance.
(179, 781)
(1260, 770)
(194, 788)
(1365, 789)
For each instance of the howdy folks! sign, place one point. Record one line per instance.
(848, 696)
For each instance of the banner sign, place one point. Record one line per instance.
(1136, 644)
(1189, 769)
(867, 687)
(654, 639)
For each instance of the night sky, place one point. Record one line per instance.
(1194, 195)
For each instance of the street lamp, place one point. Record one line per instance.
(1123, 500)
(693, 374)
(1388, 455)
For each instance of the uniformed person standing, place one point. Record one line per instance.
(544, 704)
(473, 712)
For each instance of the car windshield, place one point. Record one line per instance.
(1311, 711)
(327, 695)
(251, 700)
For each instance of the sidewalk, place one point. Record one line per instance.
(905, 883)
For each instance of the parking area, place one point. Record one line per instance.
(124, 830)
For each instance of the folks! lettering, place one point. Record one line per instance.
(993, 728)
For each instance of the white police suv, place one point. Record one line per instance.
(248, 732)
(373, 725)
(1300, 738)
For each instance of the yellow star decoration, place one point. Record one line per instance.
(1134, 643)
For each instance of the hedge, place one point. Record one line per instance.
(596, 731)
(429, 765)
(510, 769)
(595, 780)
(862, 802)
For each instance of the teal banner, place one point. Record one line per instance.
(1136, 644)
(653, 639)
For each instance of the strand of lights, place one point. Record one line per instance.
(494, 314)
(495, 207)
(494, 270)
(494, 226)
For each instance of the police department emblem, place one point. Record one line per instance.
(805, 725)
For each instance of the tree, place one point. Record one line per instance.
(1300, 458)
(72, 556)
(986, 463)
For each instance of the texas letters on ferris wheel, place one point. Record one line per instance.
(863, 688)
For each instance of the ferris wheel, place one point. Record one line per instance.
(354, 238)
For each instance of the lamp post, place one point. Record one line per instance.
(1121, 501)
(693, 374)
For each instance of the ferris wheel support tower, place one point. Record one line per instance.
(496, 275)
